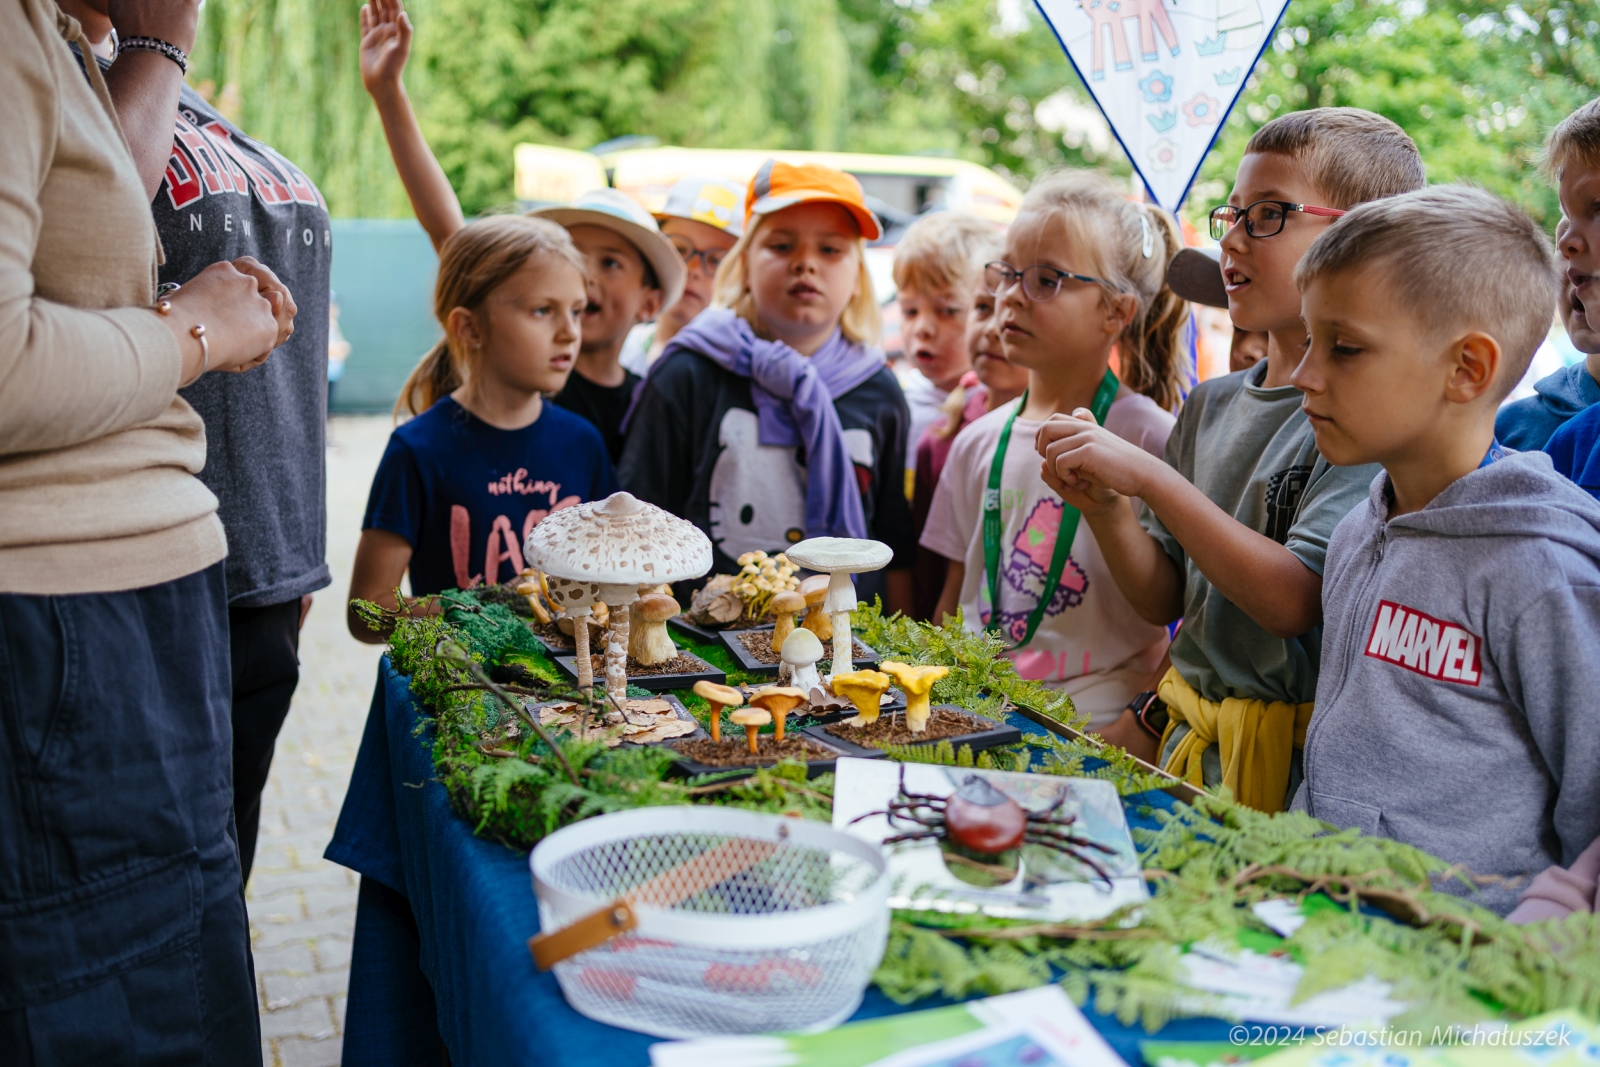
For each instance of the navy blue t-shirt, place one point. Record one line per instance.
(465, 494)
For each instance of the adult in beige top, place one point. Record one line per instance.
(123, 937)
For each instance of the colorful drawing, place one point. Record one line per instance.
(1201, 110)
(1108, 15)
(1156, 87)
(1163, 155)
(1228, 77)
(1212, 46)
(1164, 121)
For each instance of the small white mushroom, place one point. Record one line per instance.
(800, 651)
(839, 558)
(618, 543)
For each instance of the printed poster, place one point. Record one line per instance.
(1165, 73)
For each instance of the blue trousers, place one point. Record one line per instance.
(123, 936)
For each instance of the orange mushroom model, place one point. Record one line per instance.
(720, 698)
(619, 543)
(778, 701)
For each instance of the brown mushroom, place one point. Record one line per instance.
(815, 590)
(779, 701)
(783, 606)
(648, 640)
(720, 697)
(752, 719)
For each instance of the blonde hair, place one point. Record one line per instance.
(1128, 245)
(474, 262)
(1458, 259)
(860, 321)
(1351, 155)
(945, 251)
(1576, 139)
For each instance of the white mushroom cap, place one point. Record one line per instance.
(618, 541)
(801, 648)
(839, 555)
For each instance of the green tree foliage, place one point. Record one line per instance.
(1476, 82)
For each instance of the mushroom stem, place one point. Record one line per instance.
(750, 737)
(580, 640)
(843, 645)
(777, 727)
(715, 722)
(617, 659)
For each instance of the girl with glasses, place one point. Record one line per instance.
(1082, 277)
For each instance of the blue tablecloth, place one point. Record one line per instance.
(454, 964)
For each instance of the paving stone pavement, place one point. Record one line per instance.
(303, 908)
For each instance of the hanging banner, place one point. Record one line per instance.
(1165, 74)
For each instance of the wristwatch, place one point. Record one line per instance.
(1151, 713)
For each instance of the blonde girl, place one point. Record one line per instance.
(772, 417)
(483, 457)
(1082, 277)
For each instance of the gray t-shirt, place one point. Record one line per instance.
(1250, 450)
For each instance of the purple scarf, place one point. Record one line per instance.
(794, 398)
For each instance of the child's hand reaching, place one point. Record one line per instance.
(1091, 467)
(385, 44)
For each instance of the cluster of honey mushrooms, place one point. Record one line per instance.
(619, 556)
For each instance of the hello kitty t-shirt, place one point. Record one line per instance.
(1091, 642)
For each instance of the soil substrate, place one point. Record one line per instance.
(892, 729)
(551, 635)
(735, 751)
(683, 664)
(759, 644)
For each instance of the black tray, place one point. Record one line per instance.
(656, 683)
(687, 767)
(1001, 734)
(701, 633)
(677, 706)
(750, 664)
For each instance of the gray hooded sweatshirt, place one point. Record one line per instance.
(1458, 707)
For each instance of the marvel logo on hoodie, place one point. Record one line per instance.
(1455, 709)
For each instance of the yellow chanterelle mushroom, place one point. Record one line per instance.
(917, 682)
(865, 690)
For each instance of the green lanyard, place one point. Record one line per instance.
(1064, 535)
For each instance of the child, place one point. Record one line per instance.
(702, 217)
(937, 264)
(462, 483)
(943, 254)
(779, 373)
(1083, 271)
(1528, 425)
(634, 273)
(1463, 597)
(1237, 520)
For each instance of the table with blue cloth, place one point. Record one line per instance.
(444, 918)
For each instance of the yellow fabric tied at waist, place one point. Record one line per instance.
(1255, 740)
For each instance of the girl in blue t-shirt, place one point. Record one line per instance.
(485, 458)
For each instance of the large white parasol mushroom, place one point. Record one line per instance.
(839, 558)
(619, 543)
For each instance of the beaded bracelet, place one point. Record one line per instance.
(155, 44)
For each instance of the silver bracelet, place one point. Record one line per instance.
(155, 44)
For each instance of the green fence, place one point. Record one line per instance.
(383, 279)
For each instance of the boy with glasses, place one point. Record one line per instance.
(1236, 523)
(1463, 595)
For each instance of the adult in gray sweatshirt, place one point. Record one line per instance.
(1456, 708)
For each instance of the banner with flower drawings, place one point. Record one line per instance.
(1165, 73)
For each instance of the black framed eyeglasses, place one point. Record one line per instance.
(1040, 281)
(710, 258)
(1264, 218)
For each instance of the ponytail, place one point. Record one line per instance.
(474, 262)
(1129, 245)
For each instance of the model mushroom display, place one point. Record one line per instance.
(752, 719)
(618, 544)
(839, 558)
(719, 698)
(865, 690)
(800, 654)
(576, 599)
(917, 683)
(815, 590)
(778, 701)
(648, 640)
(783, 608)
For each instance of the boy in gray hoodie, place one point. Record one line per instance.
(1461, 603)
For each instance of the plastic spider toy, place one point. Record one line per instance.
(985, 823)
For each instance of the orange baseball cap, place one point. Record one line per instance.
(780, 185)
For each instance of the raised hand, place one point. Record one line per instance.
(1091, 467)
(385, 45)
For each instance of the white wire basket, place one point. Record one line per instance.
(745, 923)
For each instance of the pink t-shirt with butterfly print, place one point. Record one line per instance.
(1090, 642)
